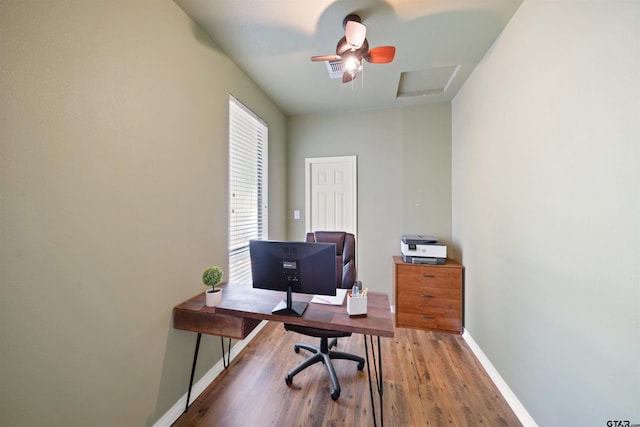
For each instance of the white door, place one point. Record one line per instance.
(331, 194)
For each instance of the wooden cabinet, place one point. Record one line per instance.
(428, 296)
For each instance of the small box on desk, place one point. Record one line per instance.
(356, 306)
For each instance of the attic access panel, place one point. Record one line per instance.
(431, 81)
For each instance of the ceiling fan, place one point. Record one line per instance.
(354, 47)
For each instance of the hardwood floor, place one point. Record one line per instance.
(430, 379)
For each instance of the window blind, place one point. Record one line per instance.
(248, 219)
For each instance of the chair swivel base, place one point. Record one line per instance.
(323, 354)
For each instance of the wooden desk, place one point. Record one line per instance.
(243, 308)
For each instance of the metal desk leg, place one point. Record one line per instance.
(378, 374)
(193, 369)
(225, 361)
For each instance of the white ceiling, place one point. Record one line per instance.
(438, 44)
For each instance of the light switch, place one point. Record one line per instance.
(296, 214)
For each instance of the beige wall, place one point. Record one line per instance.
(404, 177)
(113, 133)
(546, 208)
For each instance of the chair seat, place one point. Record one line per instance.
(316, 332)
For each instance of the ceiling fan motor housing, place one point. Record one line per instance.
(350, 17)
(344, 48)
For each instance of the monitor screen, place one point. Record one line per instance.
(302, 267)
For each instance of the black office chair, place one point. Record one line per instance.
(345, 278)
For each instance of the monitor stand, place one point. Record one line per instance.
(290, 307)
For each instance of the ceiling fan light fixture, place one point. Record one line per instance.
(352, 64)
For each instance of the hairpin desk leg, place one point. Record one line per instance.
(226, 360)
(378, 374)
(193, 370)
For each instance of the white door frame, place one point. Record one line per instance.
(352, 163)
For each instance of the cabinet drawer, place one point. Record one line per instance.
(410, 297)
(429, 276)
(444, 322)
(442, 313)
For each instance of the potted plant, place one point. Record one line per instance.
(212, 276)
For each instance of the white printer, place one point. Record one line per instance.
(418, 249)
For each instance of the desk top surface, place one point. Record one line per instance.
(242, 300)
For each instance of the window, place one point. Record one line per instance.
(247, 187)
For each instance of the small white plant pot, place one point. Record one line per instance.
(213, 297)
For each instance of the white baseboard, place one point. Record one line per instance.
(178, 408)
(509, 396)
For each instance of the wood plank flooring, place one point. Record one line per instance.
(430, 379)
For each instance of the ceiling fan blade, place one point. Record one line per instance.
(355, 33)
(381, 55)
(326, 58)
(347, 77)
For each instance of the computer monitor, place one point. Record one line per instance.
(302, 267)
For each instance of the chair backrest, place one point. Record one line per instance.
(345, 254)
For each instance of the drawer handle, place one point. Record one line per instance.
(428, 276)
(427, 296)
(424, 316)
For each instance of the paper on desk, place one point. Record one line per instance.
(329, 299)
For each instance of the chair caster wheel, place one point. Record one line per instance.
(360, 366)
(335, 395)
(288, 380)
